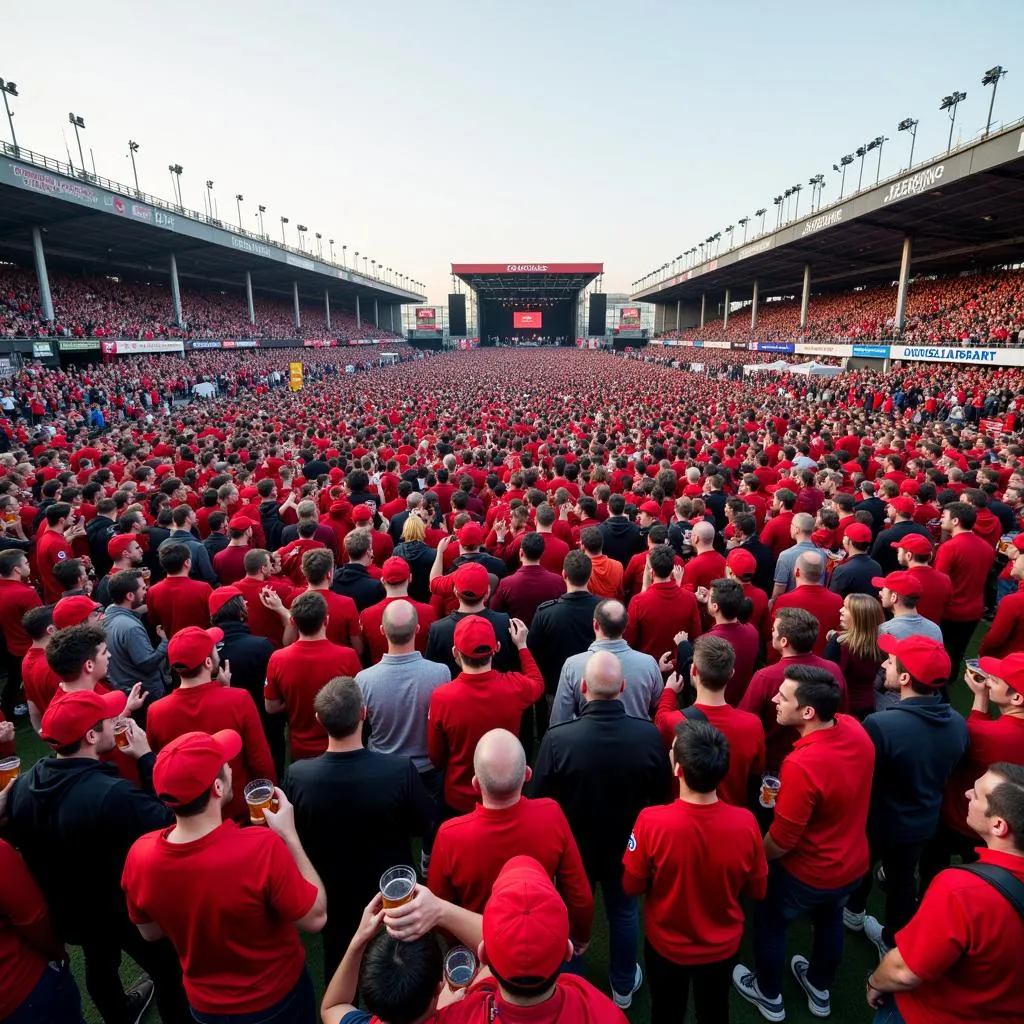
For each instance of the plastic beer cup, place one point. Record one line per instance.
(397, 885)
(259, 796)
(769, 791)
(10, 767)
(121, 732)
(459, 967)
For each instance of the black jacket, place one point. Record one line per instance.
(495, 566)
(441, 639)
(215, 543)
(560, 629)
(918, 743)
(877, 509)
(602, 768)
(74, 820)
(353, 580)
(98, 532)
(622, 539)
(883, 552)
(420, 559)
(248, 655)
(271, 523)
(854, 576)
(764, 574)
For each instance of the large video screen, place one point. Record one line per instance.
(629, 316)
(426, 318)
(528, 320)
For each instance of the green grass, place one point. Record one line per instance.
(848, 1004)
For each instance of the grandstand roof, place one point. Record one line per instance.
(963, 210)
(527, 280)
(97, 221)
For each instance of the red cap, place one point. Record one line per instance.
(362, 514)
(340, 508)
(474, 636)
(910, 487)
(925, 659)
(742, 562)
(120, 543)
(859, 533)
(470, 535)
(186, 767)
(220, 597)
(70, 717)
(903, 506)
(906, 584)
(915, 543)
(73, 611)
(1018, 541)
(163, 469)
(526, 925)
(472, 580)
(248, 493)
(395, 570)
(240, 522)
(335, 475)
(191, 646)
(652, 508)
(1010, 669)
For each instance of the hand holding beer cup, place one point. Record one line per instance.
(6, 732)
(138, 742)
(278, 814)
(415, 917)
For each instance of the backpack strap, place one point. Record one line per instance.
(1003, 881)
(694, 714)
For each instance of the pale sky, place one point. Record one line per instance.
(422, 133)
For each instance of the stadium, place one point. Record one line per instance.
(536, 652)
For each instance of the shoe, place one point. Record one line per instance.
(852, 921)
(880, 874)
(817, 1000)
(745, 982)
(873, 930)
(20, 710)
(138, 998)
(624, 1002)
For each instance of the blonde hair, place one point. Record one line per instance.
(414, 529)
(864, 615)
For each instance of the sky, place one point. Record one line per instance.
(422, 133)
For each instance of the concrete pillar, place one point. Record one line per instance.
(295, 302)
(42, 278)
(901, 292)
(702, 306)
(679, 312)
(753, 308)
(327, 308)
(248, 297)
(175, 292)
(376, 321)
(359, 322)
(391, 317)
(725, 308)
(805, 298)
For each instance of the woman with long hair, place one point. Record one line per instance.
(413, 548)
(854, 648)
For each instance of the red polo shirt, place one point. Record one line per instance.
(227, 903)
(964, 943)
(776, 533)
(177, 602)
(262, 621)
(821, 813)
(51, 548)
(521, 593)
(229, 563)
(371, 619)
(695, 862)
(470, 851)
(211, 707)
(342, 616)
(938, 591)
(821, 602)
(16, 598)
(657, 614)
(39, 680)
(966, 560)
(295, 675)
(469, 706)
(573, 1001)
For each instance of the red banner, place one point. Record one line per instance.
(528, 320)
(992, 426)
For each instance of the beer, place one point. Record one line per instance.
(397, 885)
(121, 732)
(459, 967)
(9, 769)
(259, 795)
(769, 791)
(145, 572)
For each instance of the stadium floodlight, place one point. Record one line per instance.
(343, 249)
(301, 229)
(761, 213)
(260, 210)
(991, 77)
(950, 103)
(284, 220)
(777, 201)
(239, 199)
(730, 230)
(796, 205)
(878, 143)
(909, 124)
(133, 148)
(10, 89)
(77, 121)
(743, 222)
(176, 170)
(330, 242)
(209, 198)
(840, 168)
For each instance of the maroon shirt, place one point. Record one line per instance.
(229, 564)
(520, 594)
(743, 639)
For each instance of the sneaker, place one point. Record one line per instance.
(20, 710)
(745, 982)
(624, 1002)
(852, 921)
(138, 998)
(873, 930)
(817, 1000)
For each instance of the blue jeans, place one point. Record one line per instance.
(298, 1007)
(54, 999)
(788, 899)
(890, 1013)
(1003, 588)
(623, 930)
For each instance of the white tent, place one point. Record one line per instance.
(813, 369)
(779, 366)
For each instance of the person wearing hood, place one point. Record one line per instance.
(354, 578)
(622, 537)
(918, 743)
(74, 801)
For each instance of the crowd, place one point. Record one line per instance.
(967, 309)
(111, 307)
(560, 621)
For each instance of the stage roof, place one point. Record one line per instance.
(526, 281)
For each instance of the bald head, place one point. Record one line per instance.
(499, 764)
(399, 622)
(811, 566)
(702, 535)
(603, 676)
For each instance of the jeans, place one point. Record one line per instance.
(623, 930)
(670, 988)
(433, 780)
(298, 1007)
(900, 863)
(889, 1013)
(54, 999)
(786, 900)
(1005, 588)
(956, 636)
(12, 687)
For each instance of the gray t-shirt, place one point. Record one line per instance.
(902, 626)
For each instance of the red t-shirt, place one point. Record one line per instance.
(229, 563)
(262, 621)
(821, 813)
(966, 560)
(371, 618)
(746, 644)
(51, 548)
(177, 602)
(295, 675)
(704, 569)
(964, 943)
(1006, 634)
(776, 533)
(227, 903)
(16, 598)
(695, 862)
(938, 591)
(821, 602)
(574, 1001)
(342, 616)
(40, 681)
(470, 851)
(657, 614)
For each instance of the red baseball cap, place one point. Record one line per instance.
(120, 543)
(187, 766)
(335, 475)
(472, 580)
(652, 508)
(191, 646)
(240, 522)
(395, 570)
(906, 584)
(910, 487)
(925, 659)
(73, 611)
(915, 543)
(362, 514)
(221, 596)
(859, 533)
(1010, 669)
(525, 925)
(474, 636)
(70, 717)
(1018, 541)
(470, 535)
(742, 562)
(903, 506)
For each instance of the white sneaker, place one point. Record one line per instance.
(817, 999)
(745, 982)
(873, 930)
(852, 921)
(624, 1002)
